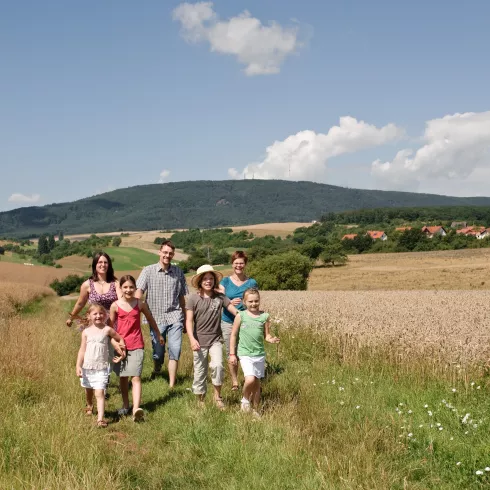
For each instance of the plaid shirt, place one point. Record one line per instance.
(163, 290)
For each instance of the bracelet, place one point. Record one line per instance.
(234, 355)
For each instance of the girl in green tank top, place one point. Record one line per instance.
(251, 327)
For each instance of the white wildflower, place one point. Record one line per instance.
(458, 463)
(454, 390)
(465, 418)
(358, 407)
(479, 472)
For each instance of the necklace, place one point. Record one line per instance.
(101, 282)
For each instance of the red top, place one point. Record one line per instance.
(129, 327)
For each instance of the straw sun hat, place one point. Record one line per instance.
(201, 271)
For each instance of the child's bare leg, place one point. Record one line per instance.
(217, 392)
(89, 397)
(99, 395)
(256, 394)
(124, 384)
(233, 373)
(136, 383)
(248, 387)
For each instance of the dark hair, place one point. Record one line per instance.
(167, 243)
(127, 278)
(110, 270)
(239, 254)
(199, 282)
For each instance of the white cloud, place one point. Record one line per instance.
(23, 198)
(456, 146)
(163, 176)
(303, 156)
(261, 48)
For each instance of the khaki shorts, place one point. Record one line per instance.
(132, 365)
(226, 329)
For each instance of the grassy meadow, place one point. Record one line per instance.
(337, 413)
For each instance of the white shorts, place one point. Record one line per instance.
(97, 379)
(253, 366)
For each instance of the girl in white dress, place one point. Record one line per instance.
(93, 359)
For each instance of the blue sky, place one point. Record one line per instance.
(96, 96)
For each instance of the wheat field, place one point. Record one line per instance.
(447, 329)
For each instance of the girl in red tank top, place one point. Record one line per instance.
(127, 312)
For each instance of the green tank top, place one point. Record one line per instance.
(251, 334)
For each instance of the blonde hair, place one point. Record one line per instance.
(250, 291)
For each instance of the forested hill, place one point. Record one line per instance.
(207, 204)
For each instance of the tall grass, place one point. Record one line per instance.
(329, 421)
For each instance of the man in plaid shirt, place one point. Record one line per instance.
(165, 288)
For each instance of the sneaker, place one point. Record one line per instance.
(246, 407)
(138, 415)
(256, 414)
(123, 412)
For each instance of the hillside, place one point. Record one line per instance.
(209, 204)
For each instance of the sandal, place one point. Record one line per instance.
(219, 403)
(88, 410)
(234, 387)
(102, 424)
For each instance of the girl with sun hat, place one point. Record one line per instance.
(203, 324)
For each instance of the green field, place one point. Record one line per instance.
(130, 259)
(18, 258)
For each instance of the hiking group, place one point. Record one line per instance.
(219, 311)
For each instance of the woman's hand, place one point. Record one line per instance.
(195, 345)
(69, 322)
(79, 372)
(232, 359)
(235, 301)
(161, 340)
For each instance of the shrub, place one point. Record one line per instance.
(286, 271)
(116, 241)
(220, 257)
(334, 254)
(70, 284)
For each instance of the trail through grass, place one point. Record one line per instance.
(325, 424)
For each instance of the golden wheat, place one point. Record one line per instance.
(444, 329)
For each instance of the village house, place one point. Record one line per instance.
(458, 224)
(472, 231)
(377, 235)
(432, 231)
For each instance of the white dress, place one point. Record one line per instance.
(95, 373)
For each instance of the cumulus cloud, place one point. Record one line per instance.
(163, 176)
(261, 48)
(304, 155)
(455, 147)
(24, 198)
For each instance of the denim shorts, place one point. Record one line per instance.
(173, 340)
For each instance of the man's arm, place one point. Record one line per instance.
(141, 283)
